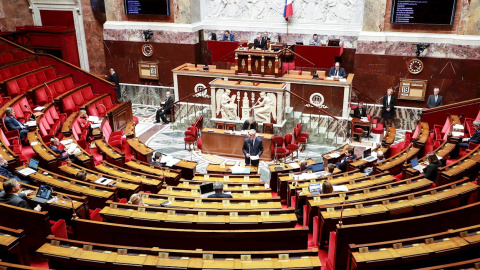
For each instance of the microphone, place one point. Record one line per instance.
(340, 223)
(275, 150)
(49, 91)
(406, 153)
(32, 116)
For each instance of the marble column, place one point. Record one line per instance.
(470, 23)
(94, 33)
(14, 13)
(186, 11)
(114, 10)
(374, 15)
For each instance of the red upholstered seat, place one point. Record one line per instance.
(199, 143)
(290, 144)
(59, 229)
(122, 200)
(95, 215)
(358, 130)
(279, 151)
(87, 93)
(77, 98)
(68, 104)
(378, 129)
(190, 137)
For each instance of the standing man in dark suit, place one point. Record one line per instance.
(337, 71)
(166, 109)
(388, 109)
(114, 78)
(259, 43)
(11, 123)
(265, 37)
(435, 100)
(360, 111)
(252, 146)
(350, 154)
(228, 37)
(10, 195)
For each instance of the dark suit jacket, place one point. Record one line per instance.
(357, 114)
(168, 105)
(220, 195)
(230, 38)
(157, 163)
(475, 137)
(247, 126)
(14, 199)
(63, 154)
(114, 78)
(265, 39)
(341, 72)
(11, 124)
(431, 101)
(5, 171)
(392, 103)
(262, 44)
(256, 149)
(431, 171)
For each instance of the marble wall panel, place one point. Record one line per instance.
(114, 10)
(94, 39)
(374, 15)
(136, 35)
(124, 57)
(14, 13)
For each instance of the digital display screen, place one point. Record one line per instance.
(147, 7)
(438, 12)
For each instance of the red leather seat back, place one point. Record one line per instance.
(78, 98)
(107, 101)
(87, 93)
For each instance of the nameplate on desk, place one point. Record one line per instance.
(198, 201)
(225, 186)
(206, 177)
(283, 257)
(246, 178)
(222, 166)
(186, 184)
(234, 214)
(226, 202)
(316, 199)
(202, 214)
(171, 199)
(226, 178)
(254, 202)
(210, 130)
(163, 255)
(169, 188)
(246, 193)
(265, 214)
(244, 186)
(290, 176)
(171, 212)
(208, 257)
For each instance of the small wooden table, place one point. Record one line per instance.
(360, 123)
(223, 142)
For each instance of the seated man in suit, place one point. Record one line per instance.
(360, 111)
(349, 155)
(249, 124)
(10, 195)
(11, 123)
(259, 43)
(228, 37)
(303, 165)
(252, 146)
(315, 41)
(165, 110)
(6, 172)
(465, 141)
(435, 100)
(156, 159)
(64, 155)
(337, 72)
(330, 168)
(218, 188)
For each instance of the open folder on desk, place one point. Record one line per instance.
(169, 160)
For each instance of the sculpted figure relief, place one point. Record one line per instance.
(226, 105)
(265, 107)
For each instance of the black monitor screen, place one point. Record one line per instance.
(439, 12)
(147, 7)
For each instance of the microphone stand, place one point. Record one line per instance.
(340, 222)
(275, 150)
(74, 215)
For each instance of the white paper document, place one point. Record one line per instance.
(254, 157)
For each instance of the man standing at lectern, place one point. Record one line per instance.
(337, 71)
(252, 147)
(435, 100)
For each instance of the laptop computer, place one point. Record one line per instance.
(43, 194)
(31, 169)
(206, 190)
(416, 165)
(367, 155)
(315, 189)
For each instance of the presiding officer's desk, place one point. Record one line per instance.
(210, 203)
(72, 254)
(223, 142)
(195, 219)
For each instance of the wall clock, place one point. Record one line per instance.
(147, 50)
(415, 66)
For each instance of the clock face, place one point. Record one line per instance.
(147, 50)
(415, 66)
